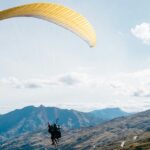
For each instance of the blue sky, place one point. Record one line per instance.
(42, 63)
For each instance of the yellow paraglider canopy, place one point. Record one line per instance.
(57, 14)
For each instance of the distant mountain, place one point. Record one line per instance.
(109, 113)
(32, 118)
(128, 133)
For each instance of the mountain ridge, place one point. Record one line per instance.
(128, 133)
(31, 118)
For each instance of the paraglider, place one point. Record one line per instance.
(55, 132)
(57, 14)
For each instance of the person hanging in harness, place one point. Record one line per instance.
(55, 132)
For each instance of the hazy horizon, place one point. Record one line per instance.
(80, 108)
(42, 63)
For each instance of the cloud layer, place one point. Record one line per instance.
(70, 79)
(134, 84)
(129, 91)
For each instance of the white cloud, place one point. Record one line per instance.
(142, 32)
(74, 78)
(30, 83)
(142, 92)
(70, 79)
(134, 84)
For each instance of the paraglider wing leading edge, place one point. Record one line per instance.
(57, 14)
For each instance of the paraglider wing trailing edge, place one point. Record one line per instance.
(57, 14)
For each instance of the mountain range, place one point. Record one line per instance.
(30, 119)
(123, 133)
